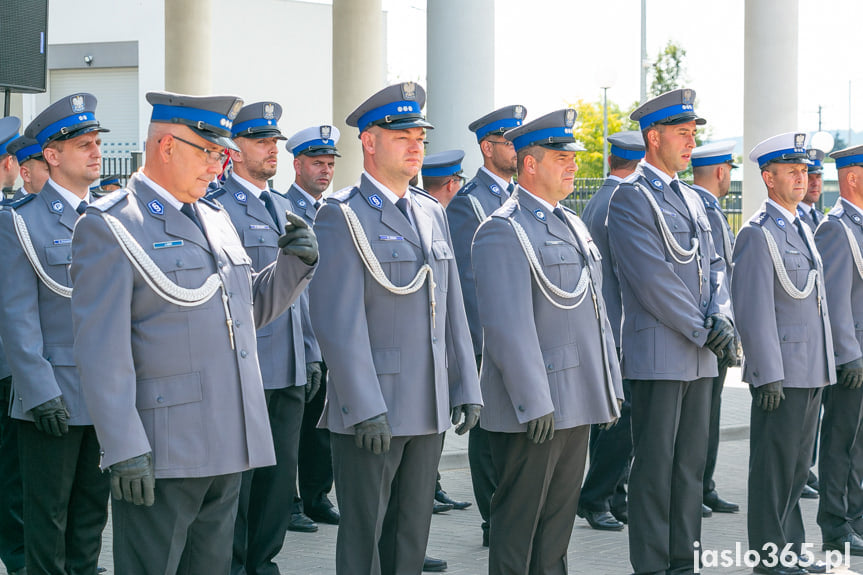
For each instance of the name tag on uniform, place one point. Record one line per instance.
(173, 244)
(795, 252)
(63, 242)
(553, 242)
(259, 227)
(390, 238)
(668, 213)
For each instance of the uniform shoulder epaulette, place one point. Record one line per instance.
(212, 202)
(18, 203)
(424, 193)
(508, 208)
(466, 189)
(105, 203)
(344, 194)
(760, 218)
(215, 193)
(631, 178)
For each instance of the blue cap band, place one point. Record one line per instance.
(95, 188)
(26, 153)
(253, 123)
(659, 115)
(626, 154)
(711, 160)
(815, 163)
(849, 160)
(779, 153)
(110, 182)
(197, 116)
(61, 126)
(6, 143)
(494, 126)
(401, 108)
(442, 171)
(313, 144)
(538, 136)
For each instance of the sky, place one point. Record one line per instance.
(550, 53)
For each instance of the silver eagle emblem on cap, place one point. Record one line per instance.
(235, 109)
(569, 117)
(325, 132)
(77, 103)
(269, 111)
(409, 90)
(799, 140)
(687, 96)
(518, 112)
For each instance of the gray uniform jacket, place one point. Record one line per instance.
(538, 358)
(463, 222)
(807, 216)
(664, 307)
(36, 323)
(384, 353)
(783, 338)
(301, 206)
(842, 279)
(160, 377)
(723, 235)
(594, 217)
(280, 342)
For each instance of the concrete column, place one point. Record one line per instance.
(460, 74)
(358, 72)
(769, 84)
(189, 46)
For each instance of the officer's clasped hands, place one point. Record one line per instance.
(721, 334)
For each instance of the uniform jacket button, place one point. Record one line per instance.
(395, 254)
(243, 353)
(345, 409)
(696, 333)
(180, 263)
(160, 399)
(521, 408)
(549, 366)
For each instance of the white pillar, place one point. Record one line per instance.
(189, 46)
(769, 84)
(460, 74)
(358, 72)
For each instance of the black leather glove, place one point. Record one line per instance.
(471, 417)
(134, 480)
(299, 239)
(609, 424)
(850, 374)
(52, 417)
(729, 358)
(768, 396)
(721, 333)
(541, 428)
(374, 434)
(314, 373)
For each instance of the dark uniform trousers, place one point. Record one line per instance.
(65, 500)
(315, 468)
(483, 476)
(11, 490)
(383, 504)
(191, 516)
(780, 445)
(718, 383)
(840, 465)
(265, 492)
(546, 496)
(610, 454)
(669, 435)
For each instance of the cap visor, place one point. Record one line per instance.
(683, 119)
(563, 146)
(216, 139)
(262, 134)
(407, 123)
(321, 152)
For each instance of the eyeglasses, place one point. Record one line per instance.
(213, 156)
(504, 143)
(459, 179)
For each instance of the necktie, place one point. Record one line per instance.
(510, 188)
(317, 205)
(815, 215)
(798, 223)
(81, 207)
(268, 203)
(558, 211)
(189, 211)
(402, 205)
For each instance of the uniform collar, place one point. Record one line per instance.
(666, 179)
(788, 215)
(250, 187)
(539, 200)
(388, 193)
(163, 193)
(500, 181)
(307, 195)
(613, 178)
(68, 196)
(849, 206)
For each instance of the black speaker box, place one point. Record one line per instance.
(23, 44)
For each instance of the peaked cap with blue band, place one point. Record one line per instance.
(67, 118)
(9, 127)
(714, 153)
(442, 164)
(315, 141)
(787, 148)
(847, 157)
(258, 120)
(25, 149)
(498, 122)
(816, 156)
(670, 108)
(627, 145)
(552, 131)
(211, 117)
(396, 107)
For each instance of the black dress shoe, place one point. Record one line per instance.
(621, 515)
(300, 522)
(779, 570)
(442, 497)
(812, 481)
(432, 565)
(809, 493)
(327, 515)
(719, 505)
(706, 511)
(855, 544)
(601, 520)
(101, 569)
(441, 507)
(814, 567)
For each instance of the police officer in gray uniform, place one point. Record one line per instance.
(676, 320)
(314, 151)
(603, 495)
(258, 213)
(32, 165)
(806, 209)
(485, 193)
(65, 494)
(787, 345)
(549, 366)
(711, 168)
(839, 240)
(387, 310)
(178, 403)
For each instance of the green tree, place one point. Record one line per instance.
(588, 130)
(668, 70)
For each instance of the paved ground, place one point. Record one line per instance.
(456, 535)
